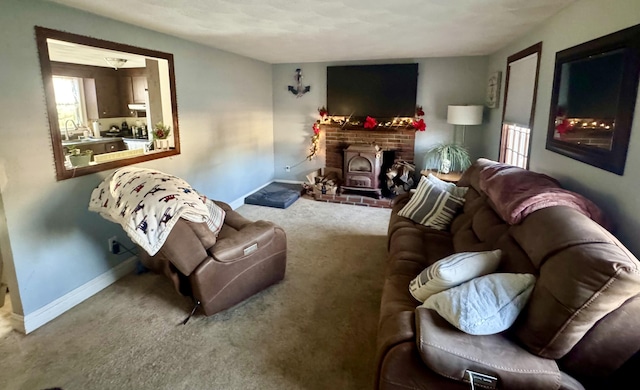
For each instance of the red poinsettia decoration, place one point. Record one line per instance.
(370, 123)
(323, 112)
(316, 128)
(564, 126)
(420, 125)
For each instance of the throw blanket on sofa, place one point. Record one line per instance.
(516, 193)
(147, 204)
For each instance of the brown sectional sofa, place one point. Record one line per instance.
(580, 328)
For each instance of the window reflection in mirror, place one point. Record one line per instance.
(104, 100)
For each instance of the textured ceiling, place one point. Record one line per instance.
(293, 31)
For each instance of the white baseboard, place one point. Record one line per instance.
(30, 322)
(289, 181)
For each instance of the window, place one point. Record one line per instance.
(515, 144)
(519, 106)
(69, 101)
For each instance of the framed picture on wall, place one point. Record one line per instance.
(493, 90)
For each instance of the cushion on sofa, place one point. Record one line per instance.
(432, 206)
(485, 305)
(449, 352)
(584, 274)
(452, 271)
(447, 186)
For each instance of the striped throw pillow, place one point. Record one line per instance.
(449, 187)
(432, 206)
(452, 271)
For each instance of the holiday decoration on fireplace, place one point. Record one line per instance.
(353, 123)
(315, 138)
(418, 122)
(370, 123)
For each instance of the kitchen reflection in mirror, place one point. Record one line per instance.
(109, 104)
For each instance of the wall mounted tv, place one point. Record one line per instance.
(380, 91)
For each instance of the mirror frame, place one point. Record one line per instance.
(42, 34)
(613, 160)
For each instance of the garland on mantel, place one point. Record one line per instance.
(370, 123)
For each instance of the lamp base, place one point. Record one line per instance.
(458, 134)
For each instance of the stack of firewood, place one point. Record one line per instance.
(327, 184)
(400, 177)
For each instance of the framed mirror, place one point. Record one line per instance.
(594, 94)
(109, 104)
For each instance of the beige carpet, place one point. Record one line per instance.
(314, 330)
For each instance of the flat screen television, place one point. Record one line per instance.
(380, 91)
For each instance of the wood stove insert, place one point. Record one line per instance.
(362, 164)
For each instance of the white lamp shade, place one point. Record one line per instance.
(464, 115)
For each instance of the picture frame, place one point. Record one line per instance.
(493, 90)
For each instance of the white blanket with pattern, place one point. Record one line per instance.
(147, 204)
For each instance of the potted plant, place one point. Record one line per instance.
(79, 158)
(448, 157)
(160, 134)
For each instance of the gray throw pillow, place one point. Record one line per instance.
(432, 206)
(486, 305)
(460, 192)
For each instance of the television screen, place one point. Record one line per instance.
(380, 91)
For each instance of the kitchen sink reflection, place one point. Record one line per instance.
(89, 140)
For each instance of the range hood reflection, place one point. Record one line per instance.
(138, 107)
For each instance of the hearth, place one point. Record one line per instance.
(362, 163)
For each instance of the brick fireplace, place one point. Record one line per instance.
(401, 141)
(395, 144)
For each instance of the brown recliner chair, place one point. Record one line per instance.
(220, 272)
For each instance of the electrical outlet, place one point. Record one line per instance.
(287, 168)
(114, 247)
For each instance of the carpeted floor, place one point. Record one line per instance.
(314, 330)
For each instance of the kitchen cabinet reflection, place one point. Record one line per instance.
(101, 93)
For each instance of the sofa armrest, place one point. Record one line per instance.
(248, 239)
(450, 352)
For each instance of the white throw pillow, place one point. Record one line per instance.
(432, 206)
(449, 187)
(486, 305)
(452, 271)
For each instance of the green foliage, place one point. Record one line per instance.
(160, 131)
(74, 150)
(457, 154)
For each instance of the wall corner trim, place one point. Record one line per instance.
(30, 322)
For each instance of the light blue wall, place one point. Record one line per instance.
(56, 244)
(441, 81)
(616, 195)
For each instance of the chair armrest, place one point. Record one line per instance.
(242, 243)
(450, 352)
